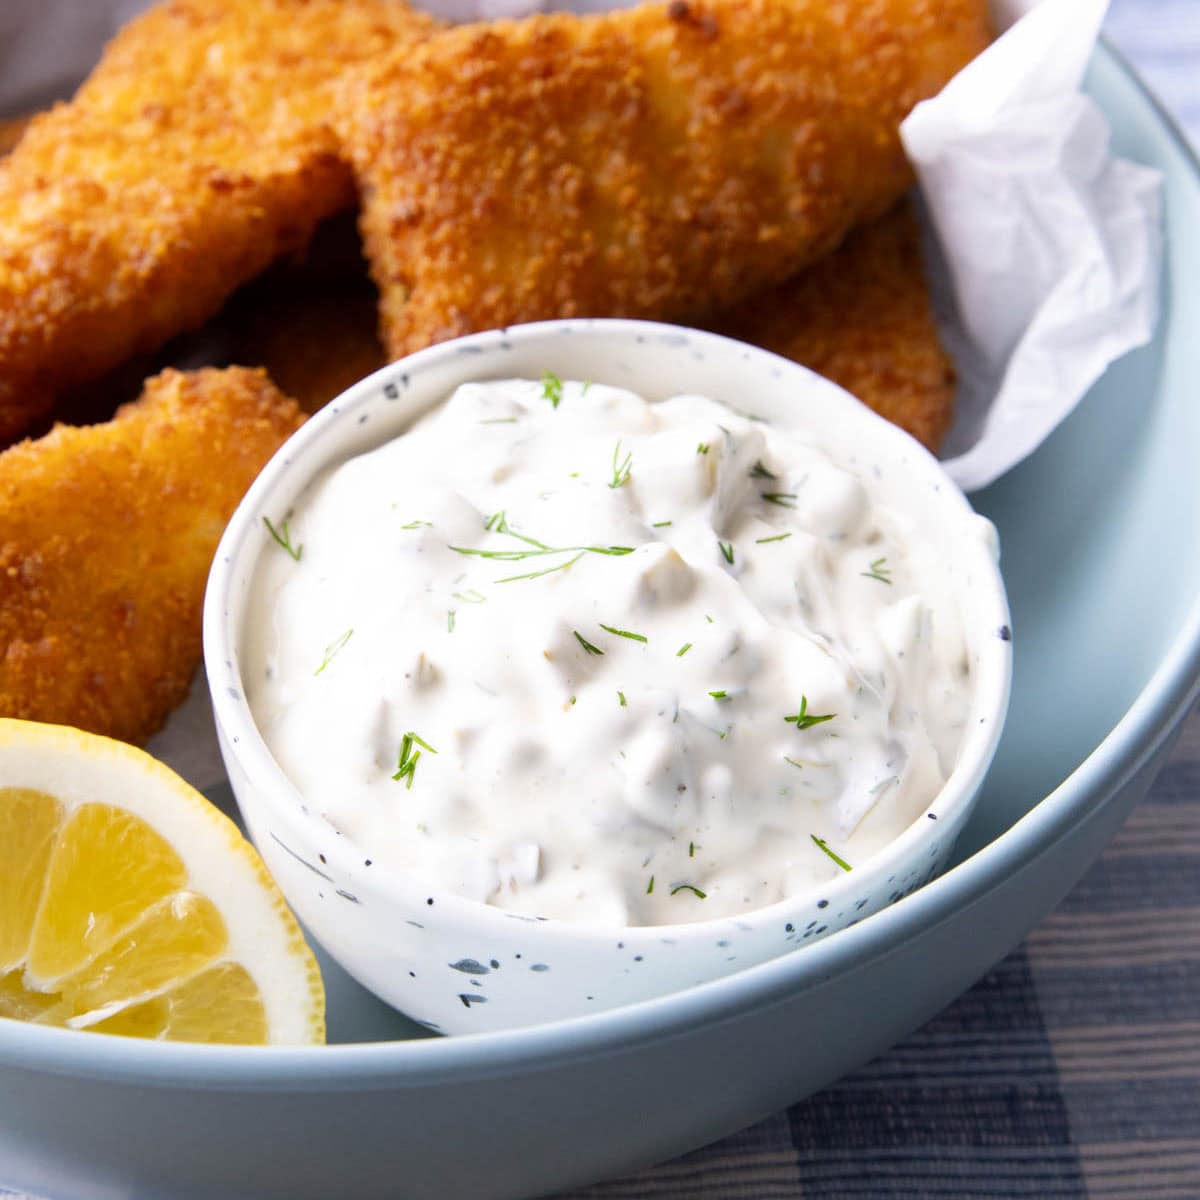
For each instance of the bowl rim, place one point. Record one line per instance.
(321, 443)
(1166, 698)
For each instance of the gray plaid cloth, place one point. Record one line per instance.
(1073, 1069)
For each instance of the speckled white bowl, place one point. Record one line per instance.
(459, 966)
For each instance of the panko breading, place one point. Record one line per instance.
(862, 318)
(106, 536)
(662, 161)
(10, 132)
(196, 153)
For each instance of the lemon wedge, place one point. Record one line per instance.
(130, 905)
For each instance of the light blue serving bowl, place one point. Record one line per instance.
(1101, 536)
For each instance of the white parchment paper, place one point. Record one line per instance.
(1047, 246)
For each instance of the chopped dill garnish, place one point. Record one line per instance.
(758, 471)
(650, 886)
(450, 620)
(552, 388)
(708, 618)
(284, 538)
(621, 697)
(588, 647)
(687, 887)
(661, 524)
(727, 551)
(406, 766)
(806, 720)
(625, 633)
(331, 651)
(783, 499)
(691, 849)
(572, 699)
(779, 537)
(418, 525)
(794, 761)
(587, 383)
(721, 695)
(547, 571)
(683, 649)
(824, 848)
(499, 421)
(702, 448)
(621, 467)
(471, 596)
(879, 570)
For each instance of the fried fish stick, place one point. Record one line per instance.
(197, 153)
(662, 161)
(106, 536)
(862, 318)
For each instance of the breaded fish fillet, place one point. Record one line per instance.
(661, 161)
(106, 536)
(862, 318)
(196, 153)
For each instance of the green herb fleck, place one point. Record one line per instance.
(683, 649)
(417, 525)
(758, 471)
(406, 766)
(691, 849)
(331, 651)
(702, 448)
(625, 633)
(650, 886)
(824, 848)
(552, 388)
(585, 643)
(687, 887)
(621, 697)
(779, 537)
(804, 719)
(721, 695)
(879, 570)
(499, 421)
(783, 499)
(471, 596)
(548, 570)
(708, 618)
(661, 524)
(284, 538)
(727, 551)
(794, 761)
(621, 467)
(587, 383)
(450, 620)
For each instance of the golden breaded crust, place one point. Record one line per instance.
(10, 132)
(862, 318)
(662, 161)
(196, 153)
(106, 536)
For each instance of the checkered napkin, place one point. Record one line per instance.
(1073, 1069)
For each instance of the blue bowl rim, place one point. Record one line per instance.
(1162, 703)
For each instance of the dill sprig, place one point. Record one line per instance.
(552, 388)
(661, 524)
(283, 538)
(470, 596)
(406, 767)
(779, 537)
(621, 467)
(450, 618)
(498, 523)
(417, 525)
(547, 571)
(702, 448)
(783, 499)
(879, 570)
(621, 698)
(625, 633)
(727, 551)
(332, 650)
(806, 720)
(758, 471)
(691, 849)
(688, 887)
(823, 846)
(588, 647)
(721, 695)
(683, 649)
(650, 886)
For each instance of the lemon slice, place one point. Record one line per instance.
(130, 905)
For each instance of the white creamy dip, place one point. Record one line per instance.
(582, 656)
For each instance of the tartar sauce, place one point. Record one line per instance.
(583, 656)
